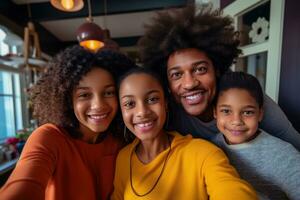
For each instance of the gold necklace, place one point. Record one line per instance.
(161, 172)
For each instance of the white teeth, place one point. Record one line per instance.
(96, 117)
(192, 97)
(142, 125)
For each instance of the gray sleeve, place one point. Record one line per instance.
(277, 124)
(290, 170)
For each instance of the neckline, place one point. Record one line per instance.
(245, 144)
(160, 174)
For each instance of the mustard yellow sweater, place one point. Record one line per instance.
(196, 169)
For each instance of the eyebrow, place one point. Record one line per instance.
(86, 88)
(193, 64)
(149, 92)
(226, 105)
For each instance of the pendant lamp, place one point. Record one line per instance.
(67, 5)
(89, 34)
(109, 43)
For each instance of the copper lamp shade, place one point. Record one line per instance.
(90, 36)
(67, 5)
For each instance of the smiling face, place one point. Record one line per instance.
(143, 105)
(95, 103)
(237, 114)
(192, 80)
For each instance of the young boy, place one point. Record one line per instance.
(271, 165)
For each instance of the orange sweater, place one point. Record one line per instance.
(55, 166)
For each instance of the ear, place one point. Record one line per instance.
(215, 112)
(261, 114)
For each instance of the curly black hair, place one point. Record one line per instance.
(192, 27)
(51, 96)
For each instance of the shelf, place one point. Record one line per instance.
(6, 166)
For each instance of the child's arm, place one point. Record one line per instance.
(276, 123)
(223, 181)
(30, 177)
(289, 171)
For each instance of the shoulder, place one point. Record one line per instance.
(265, 148)
(47, 135)
(49, 130)
(267, 139)
(276, 123)
(194, 146)
(125, 152)
(47, 142)
(277, 145)
(203, 145)
(206, 154)
(273, 116)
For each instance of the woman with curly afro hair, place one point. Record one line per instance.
(72, 154)
(191, 49)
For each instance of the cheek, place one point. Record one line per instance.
(78, 108)
(163, 115)
(254, 123)
(126, 117)
(212, 83)
(221, 121)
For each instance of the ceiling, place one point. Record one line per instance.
(124, 18)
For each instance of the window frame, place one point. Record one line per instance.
(273, 46)
(12, 70)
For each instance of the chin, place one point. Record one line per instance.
(99, 130)
(194, 111)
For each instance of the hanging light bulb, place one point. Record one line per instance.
(67, 5)
(89, 34)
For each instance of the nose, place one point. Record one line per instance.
(237, 120)
(98, 103)
(189, 81)
(142, 110)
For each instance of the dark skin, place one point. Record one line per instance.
(192, 81)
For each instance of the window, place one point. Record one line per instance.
(260, 23)
(10, 94)
(10, 104)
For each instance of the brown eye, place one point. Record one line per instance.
(175, 75)
(248, 112)
(109, 93)
(84, 95)
(200, 69)
(152, 100)
(225, 111)
(129, 104)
